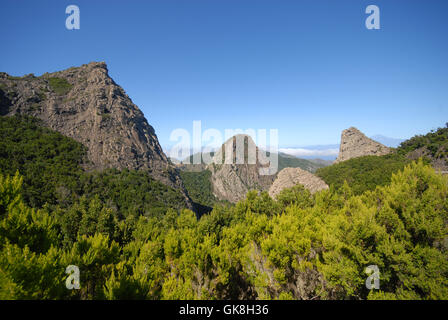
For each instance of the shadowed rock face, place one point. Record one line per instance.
(232, 179)
(290, 177)
(355, 144)
(84, 103)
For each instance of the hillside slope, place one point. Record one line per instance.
(363, 173)
(432, 146)
(51, 166)
(85, 104)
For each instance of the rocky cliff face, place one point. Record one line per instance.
(84, 103)
(290, 177)
(355, 144)
(232, 179)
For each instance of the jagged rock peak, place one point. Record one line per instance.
(240, 145)
(86, 104)
(232, 179)
(290, 177)
(355, 144)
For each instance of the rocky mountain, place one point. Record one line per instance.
(284, 161)
(355, 144)
(231, 179)
(432, 146)
(321, 162)
(84, 103)
(289, 177)
(289, 161)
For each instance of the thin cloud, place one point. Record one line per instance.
(302, 152)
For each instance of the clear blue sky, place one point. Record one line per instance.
(307, 68)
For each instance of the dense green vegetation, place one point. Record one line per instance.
(131, 239)
(363, 173)
(299, 246)
(51, 166)
(131, 192)
(199, 188)
(435, 142)
(287, 161)
(49, 162)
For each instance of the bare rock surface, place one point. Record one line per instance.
(355, 144)
(290, 177)
(232, 179)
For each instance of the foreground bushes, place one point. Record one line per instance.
(300, 246)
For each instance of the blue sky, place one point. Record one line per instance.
(308, 68)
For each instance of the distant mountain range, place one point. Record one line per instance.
(387, 141)
(284, 161)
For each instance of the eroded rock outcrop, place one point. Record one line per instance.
(232, 179)
(290, 177)
(355, 144)
(84, 103)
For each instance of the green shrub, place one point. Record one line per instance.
(363, 173)
(301, 247)
(59, 85)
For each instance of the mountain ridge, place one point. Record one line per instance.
(85, 103)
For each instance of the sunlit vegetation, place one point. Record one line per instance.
(51, 166)
(363, 173)
(435, 142)
(300, 246)
(131, 243)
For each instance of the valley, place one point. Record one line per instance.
(84, 181)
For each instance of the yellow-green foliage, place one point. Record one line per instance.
(300, 246)
(9, 192)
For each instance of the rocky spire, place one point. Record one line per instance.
(233, 178)
(355, 144)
